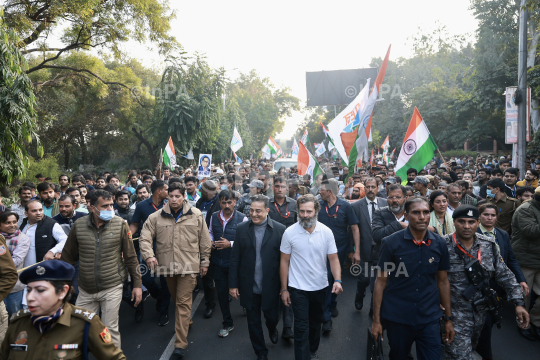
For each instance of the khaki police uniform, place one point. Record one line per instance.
(65, 340)
(506, 206)
(8, 279)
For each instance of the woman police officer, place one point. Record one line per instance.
(52, 328)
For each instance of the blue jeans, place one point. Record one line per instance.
(14, 302)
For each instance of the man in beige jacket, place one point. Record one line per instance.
(182, 251)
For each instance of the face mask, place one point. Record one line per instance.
(337, 178)
(490, 194)
(224, 187)
(106, 215)
(340, 172)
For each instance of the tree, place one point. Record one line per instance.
(188, 106)
(17, 109)
(83, 25)
(264, 106)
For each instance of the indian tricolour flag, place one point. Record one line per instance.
(418, 146)
(169, 157)
(274, 147)
(307, 164)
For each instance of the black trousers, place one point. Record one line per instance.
(401, 337)
(256, 334)
(221, 278)
(308, 308)
(288, 316)
(208, 288)
(363, 279)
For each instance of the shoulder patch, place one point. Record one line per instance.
(19, 315)
(83, 313)
(2, 250)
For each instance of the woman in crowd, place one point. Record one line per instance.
(18, 245)
(440, 219)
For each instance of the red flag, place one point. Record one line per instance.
(377, 87)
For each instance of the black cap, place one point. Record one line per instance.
(466, 211)
(50, 270)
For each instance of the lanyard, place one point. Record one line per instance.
(421, 242)
(179, 215)
(335, 214)
(28, 227)
(154, 206)
(287, 213)
(467, 253)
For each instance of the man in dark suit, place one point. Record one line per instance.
(488, 218)
(364, 209)
(254, 272)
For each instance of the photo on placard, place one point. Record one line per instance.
(204, 165)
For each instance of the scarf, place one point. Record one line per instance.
(11, 240)
(448, 223)
(44, 323)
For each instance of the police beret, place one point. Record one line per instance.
(50, 270)
(466, 211)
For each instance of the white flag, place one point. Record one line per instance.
(236, 142)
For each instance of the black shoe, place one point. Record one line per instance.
(359, 301)
(287, 333)
(334, 312)
(163, 319)
(178, 353)
(139, 312)
(274, 336)
(314, 355)
(527, 334)
(158, 305)
(327, 326)
(536, 331)
(262, 357)
(209, 312)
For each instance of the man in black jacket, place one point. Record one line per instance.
(208, 204)
(257, 256)
(365, 209)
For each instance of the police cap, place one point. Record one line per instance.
(50, 270)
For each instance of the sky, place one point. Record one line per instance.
(283, 40)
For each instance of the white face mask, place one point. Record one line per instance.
(341, 172)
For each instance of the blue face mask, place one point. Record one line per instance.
(224, 187)
(106, 215)
(490, 194)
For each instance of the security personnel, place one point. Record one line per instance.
(412, 276)
(51, 327)
(506, 205)
(463, 246)
(8, 279)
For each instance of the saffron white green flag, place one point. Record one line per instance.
(307, 164)
(236, 141)
(418, 147)
(169, 157)
(274, 147)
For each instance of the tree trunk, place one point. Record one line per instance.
(66, 155)
(84, 152)
(151, 149)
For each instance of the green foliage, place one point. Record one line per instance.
(17, 108)
(46, 166)
(188, 106)
(263, 105)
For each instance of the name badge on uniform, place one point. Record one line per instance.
(18, 347)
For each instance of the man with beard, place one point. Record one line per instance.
(67, 215)
(283, 210)
(122, 208)
(46, 194)
(411, 175)
(338, 215)
(305, 248)
(142, 193)
(193, 194)
(364, 210)
(101, 182)
(63, 180)
(416, 260)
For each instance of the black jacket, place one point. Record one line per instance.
(361, 210)
(242, 263)
(384, 224)
(210, 208)
(44, 239)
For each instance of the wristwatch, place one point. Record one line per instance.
(282, 291)
(447, 318)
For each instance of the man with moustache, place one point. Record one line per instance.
(305, 248)
(254, 270)
(416, 261)
(46, 194)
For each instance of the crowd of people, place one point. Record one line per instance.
(278, 242)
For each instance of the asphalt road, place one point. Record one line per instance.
(148, 341)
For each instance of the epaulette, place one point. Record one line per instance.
(19, 315)
(83, 313)
(513, 199)
(485, 237)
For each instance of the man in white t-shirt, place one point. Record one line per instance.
(304, 249)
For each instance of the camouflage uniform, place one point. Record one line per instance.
(244, 204)
(468, 323)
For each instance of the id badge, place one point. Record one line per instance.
(17, 347)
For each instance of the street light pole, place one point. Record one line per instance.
(522, 87)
